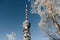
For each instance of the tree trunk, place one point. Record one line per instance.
(56, 24)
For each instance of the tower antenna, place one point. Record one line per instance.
(26, 12)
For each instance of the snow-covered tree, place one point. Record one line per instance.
(49, 11)
(11, 36)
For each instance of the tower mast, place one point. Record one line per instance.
(26, 12)
(26, 27)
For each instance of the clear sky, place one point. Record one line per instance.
(12, 16)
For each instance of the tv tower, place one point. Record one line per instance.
(26, 27)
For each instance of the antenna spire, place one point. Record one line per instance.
(26, 12)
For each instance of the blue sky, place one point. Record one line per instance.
(12, 16)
